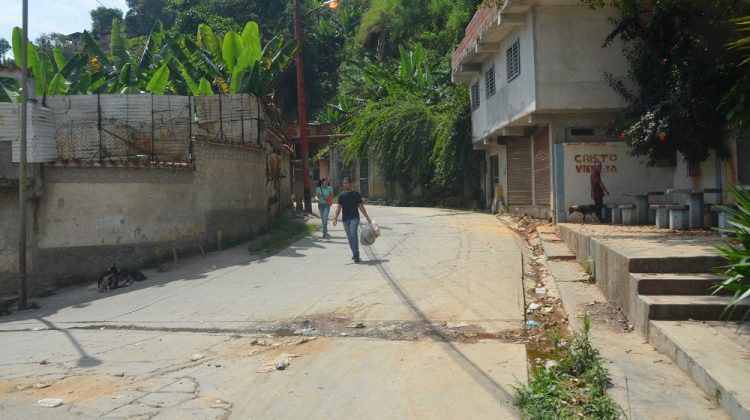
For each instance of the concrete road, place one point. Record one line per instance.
(411, 332)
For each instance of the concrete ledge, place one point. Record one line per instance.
(674, 283)
(715, 361)
(674, 264)
(681, 307)
(557, 250)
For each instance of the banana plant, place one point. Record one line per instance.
(412, 66)
(48, 79)
(8, 87)
(233, 64)
(118, 72)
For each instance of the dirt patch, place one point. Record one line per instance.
(610, 314)
(71, 389)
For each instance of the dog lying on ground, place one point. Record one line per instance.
(112, 278)
(584, 210)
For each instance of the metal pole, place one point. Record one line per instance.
(22, 166)
(302, 109)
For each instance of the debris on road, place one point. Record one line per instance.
(532, 324)
(534, 306)
(357, 325)
(540, 290)
(281, 363)
(196, 357)
(49, 402)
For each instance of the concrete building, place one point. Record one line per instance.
(541, 108)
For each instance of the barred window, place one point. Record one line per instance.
(475, 96)
(513, 57)
(489, 81)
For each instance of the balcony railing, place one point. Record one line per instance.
(480, 20)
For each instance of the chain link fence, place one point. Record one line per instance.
(150, 128)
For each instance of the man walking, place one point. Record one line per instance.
(598, 191)
(350, 202)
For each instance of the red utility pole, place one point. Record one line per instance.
(302, 109)
(22, 175)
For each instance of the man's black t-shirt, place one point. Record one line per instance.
(350, 201)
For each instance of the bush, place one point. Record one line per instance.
(737, 253)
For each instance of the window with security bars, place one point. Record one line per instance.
(489, 81)
(513, 58)
(475, 96)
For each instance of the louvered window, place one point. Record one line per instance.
(513, 57)
(475, 96)
(489, 81)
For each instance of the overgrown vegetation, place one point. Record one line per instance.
(737, 255)
(284, 232)
(575, 388)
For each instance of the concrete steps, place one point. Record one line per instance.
(664, 285)
(689, 307)
(675, 283)
(714, 354)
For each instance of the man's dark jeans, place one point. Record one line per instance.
(599, 209)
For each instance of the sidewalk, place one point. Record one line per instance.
(680, 362)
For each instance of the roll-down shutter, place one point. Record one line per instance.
(542, 184)
(519, 171)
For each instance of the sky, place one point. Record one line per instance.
(45, 16)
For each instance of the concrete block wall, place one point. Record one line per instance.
(90, 217)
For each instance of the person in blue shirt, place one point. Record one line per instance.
(350, 203)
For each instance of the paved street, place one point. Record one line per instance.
(408, 333)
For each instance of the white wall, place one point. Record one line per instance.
(511, 99)
(570, 62)
(621, 173)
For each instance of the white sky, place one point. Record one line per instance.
(45, 16)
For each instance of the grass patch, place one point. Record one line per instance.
(283, 233)
(575, 388)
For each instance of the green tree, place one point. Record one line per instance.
(101, 20)
(736, 103)
(142, 15)
(678, 75)
(438, 24)
(67, 45)
(4, 48)
(412, 122)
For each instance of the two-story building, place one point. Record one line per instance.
(541, 108)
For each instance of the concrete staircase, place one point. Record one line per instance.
(680, 297)
(664, 286)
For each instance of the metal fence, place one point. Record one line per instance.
(147, 127)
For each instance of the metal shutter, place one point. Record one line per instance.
(542, 184)
(519, 171)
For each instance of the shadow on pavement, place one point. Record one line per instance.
(471, 368)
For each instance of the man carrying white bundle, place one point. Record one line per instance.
(350, 202)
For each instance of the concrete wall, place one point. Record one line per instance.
(621, 173)
(88, 218)
(709, 177)
(570, 62)
(511, 99)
